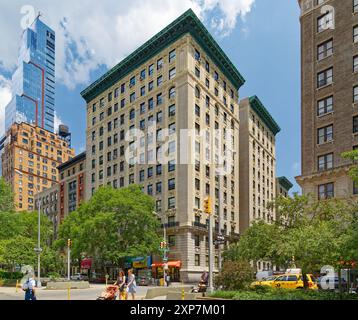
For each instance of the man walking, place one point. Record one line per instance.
(29, 288)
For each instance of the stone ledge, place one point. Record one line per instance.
(163, 291)
(65, 285)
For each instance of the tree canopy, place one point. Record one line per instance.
(113, 224)
(316, 233)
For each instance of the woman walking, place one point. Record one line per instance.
(121, 283)
(131, 286)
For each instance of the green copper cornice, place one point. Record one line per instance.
(283, 181)
(262, 112)
(188, 23)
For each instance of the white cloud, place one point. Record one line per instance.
(92, 33)
(5, 97)
(57, 122)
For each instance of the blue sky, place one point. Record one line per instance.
(264, 45)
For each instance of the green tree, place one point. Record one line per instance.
(114, 224)
(18, 251)
(6, 197)
(353, 171)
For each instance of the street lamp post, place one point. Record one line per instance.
(38, 250)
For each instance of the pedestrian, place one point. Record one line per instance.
(132, 285)
(121, 283)
(29, 288)
(168, 280)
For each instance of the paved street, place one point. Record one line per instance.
(85, 294)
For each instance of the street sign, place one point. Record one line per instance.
(38, 250)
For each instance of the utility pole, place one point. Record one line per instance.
(208, 209)
(69, 244)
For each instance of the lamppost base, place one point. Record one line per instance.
(38, 284)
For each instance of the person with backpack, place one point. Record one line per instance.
(29, 288)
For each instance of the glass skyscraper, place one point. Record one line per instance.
(33, 82)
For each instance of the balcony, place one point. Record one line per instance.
(200, 225)
(170, 225)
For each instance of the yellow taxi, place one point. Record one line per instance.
(264, 282)
(287, 281)
(294, 281)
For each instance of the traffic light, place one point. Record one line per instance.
(207, 206)
(69, 243)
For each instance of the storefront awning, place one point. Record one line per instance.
(172, 264)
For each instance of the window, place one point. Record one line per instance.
(132, 114)
(197, 110)
(171, 110)
(172, 73)
(171, 184)
(132, 82)
(171, 240)
(325, 191)
(325, 162)
(355, 94)
(172, 93)
(355, 124)
(207, 66)
(132, 97)
(197, 240)
(159, 81)
(216, 76)
(159, 99)
(197, 55)
(158, 188)
(325, 134)
(197, 72)
(142, 74)
(325, 49)
(355, 6)
(159, 116)
(172, 128)
(325, 78)
(171, 203)
(197, 92)
(355, 34)
(123, 87)
(172, 56)
(151, 70)
(197, 260)
(150, 104)
(325, 21)
(171, 166)
(325, 106)
(355, 64)
(160, 64)
(142, 91)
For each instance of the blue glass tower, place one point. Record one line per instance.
(33, 82)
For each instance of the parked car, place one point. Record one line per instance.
(79, 277)
(288, 281)
(264, 282)
(144, 281)
(333, 279)
(260, 275)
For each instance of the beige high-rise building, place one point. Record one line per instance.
(329, 45)
(258, 132)
(178, 80)
(30, 159)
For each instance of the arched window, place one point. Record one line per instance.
(172, 93)
(197, 92)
